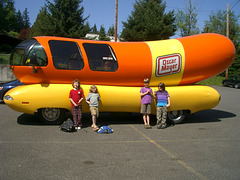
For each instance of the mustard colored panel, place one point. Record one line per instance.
(29, 98)
(168, 62)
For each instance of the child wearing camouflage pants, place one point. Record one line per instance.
(163, 102)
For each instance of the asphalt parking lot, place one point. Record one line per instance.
(206, 146)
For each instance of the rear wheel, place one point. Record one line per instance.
(52, 115)
(176, 116)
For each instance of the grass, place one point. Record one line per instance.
(216, 80)
(4, 58)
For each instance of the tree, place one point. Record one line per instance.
(10, 20)
(149, 22)
(42, 25)
(63, 18)
(19, 24)
(217, 24)
(2, 16)
(24, 34)
(94, 29)
(26, 20)
(111, 31)
(87, 27)
(7, 16)
(187, 22)
(102, 34)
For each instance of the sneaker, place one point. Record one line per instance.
(163, 126)
(149, 126)
(79, 128)
(159, 127)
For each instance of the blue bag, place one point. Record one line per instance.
(105, 130)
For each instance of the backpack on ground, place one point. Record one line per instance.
(105, 130)
(67, 126)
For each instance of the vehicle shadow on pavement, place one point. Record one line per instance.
(206, 116)
(29, 119)
(106, 119)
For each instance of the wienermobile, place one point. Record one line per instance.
(48, 65)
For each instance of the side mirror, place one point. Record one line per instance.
(34, 62)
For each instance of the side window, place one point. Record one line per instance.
(66, 55)
(101, 57)
(40, 57)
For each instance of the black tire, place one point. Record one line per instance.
(52, 115)
(176, 116)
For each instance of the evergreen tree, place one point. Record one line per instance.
(94, 29)
(62, 18)
(111, 31)
(2, 16)
(187, 21)
(149, 22)
(102, 34)
(87, 28)
(7, 16)
(67, 18)
(19, 24)
(42, 25)
(26, 20)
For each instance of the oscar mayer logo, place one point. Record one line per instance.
(169, 64)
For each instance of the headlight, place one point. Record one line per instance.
(7, 97)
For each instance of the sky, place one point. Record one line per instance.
(102, 12)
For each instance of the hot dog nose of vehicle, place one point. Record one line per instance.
(209, 54)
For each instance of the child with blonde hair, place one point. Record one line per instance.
(93, 99)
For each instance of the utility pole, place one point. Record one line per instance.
(116, 19)
(226, 74)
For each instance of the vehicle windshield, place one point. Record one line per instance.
(28, 51)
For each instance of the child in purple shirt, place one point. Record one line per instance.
(146, 100)
(163, 102)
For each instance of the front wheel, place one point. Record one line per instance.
(176, 116)
(52, 115)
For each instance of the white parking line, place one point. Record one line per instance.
(194, 171)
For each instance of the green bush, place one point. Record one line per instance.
(4, 58)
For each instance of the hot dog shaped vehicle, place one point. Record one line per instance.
(53, 63)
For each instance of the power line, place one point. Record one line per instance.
(235, 5)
